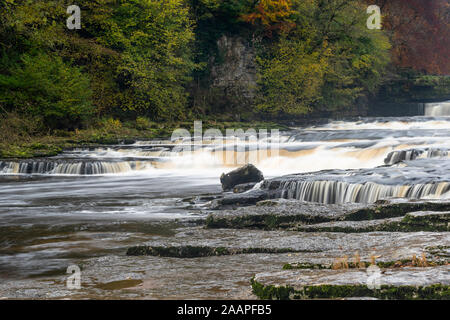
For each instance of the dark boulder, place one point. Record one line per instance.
(245, 174)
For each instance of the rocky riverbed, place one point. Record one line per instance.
(345, 210)
(325, 259)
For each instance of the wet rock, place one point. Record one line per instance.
(127, 141)
(118, 285)
(267, 203)
(400, 263)
(238, 200)
(196, 252)
(299, 247)
(282, 213)
(245, 174)
(391, 224)
(402, 283)
(439, 251)
(200, 199)
(243, 187)
(397, 208)
(411, 222)
(428, 217)
(278, 213)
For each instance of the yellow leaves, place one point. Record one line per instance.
(292, 78)
(272, 14)
(363, 62)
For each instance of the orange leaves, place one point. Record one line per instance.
(272, 15)
(269, 12)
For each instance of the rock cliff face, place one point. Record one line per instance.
(233, 70)
(230, 87)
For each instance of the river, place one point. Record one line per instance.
(85, 207)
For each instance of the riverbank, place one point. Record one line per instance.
(113, 133)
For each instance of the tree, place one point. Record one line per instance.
(271, 15)
(137, 54)
(291, 79)
(46, 88)
(420, 33)
(154, 38)
(324, 63)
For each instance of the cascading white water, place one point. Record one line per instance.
(398, 156)
(365, 143)
(330, 192)
(365, 160)
(412, 154)
(439, 109)
(71, 168)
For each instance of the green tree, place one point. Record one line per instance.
(155, 40)
(48, 89)
(290, 80)
(323, 62)
(358, 56)
(137, 54)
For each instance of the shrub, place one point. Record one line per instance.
(110, 124)
(16, 129)
(143, 123)
(46, 87)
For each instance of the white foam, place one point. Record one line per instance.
(440, 109)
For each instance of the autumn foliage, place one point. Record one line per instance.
(419, 29)
(271, 15)
(419, 32)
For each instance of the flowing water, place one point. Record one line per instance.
(86, 206)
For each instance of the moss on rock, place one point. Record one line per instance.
(199, 251)
(393, 210)
(262, 221)
(270, 292)
(266, 216)
(411, 222)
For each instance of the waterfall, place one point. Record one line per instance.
(435, 153)
(402, 155)
(437, 109)
(71, 168)
(330, 192)
(412, 154)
